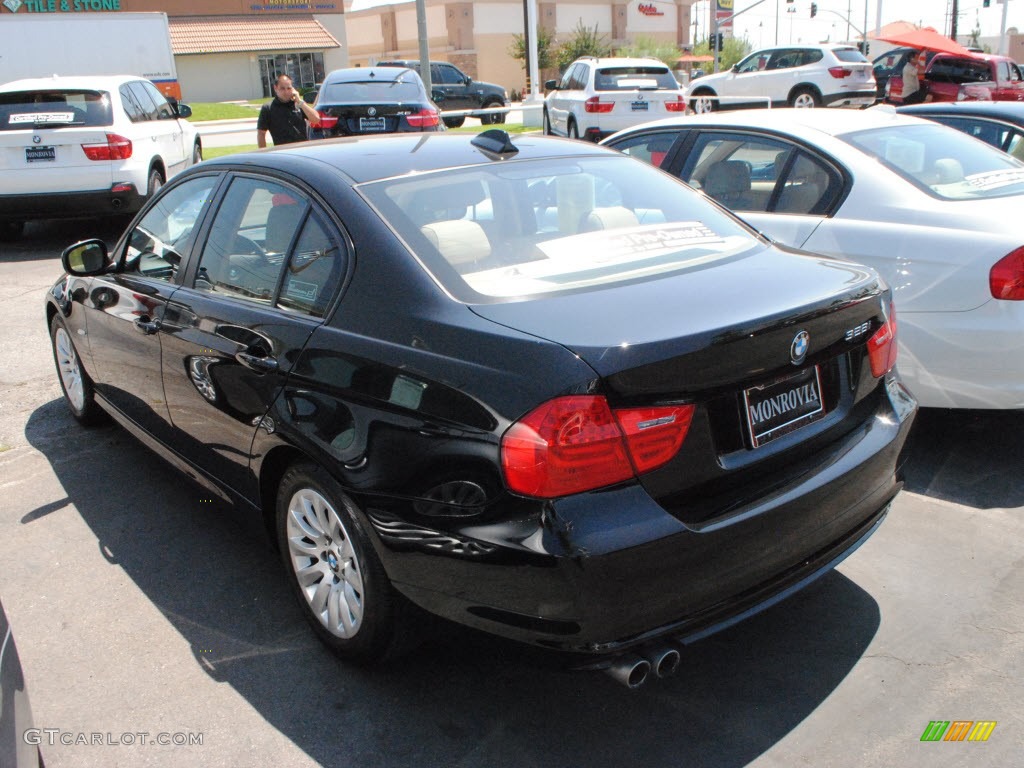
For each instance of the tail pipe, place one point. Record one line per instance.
(664, 660)
(631, 671)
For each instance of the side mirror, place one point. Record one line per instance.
(550, 85)
(734, 68)
(85, 259)
(184, 111)
(468, 80)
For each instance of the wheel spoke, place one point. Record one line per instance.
(309, 574)
(318, 601)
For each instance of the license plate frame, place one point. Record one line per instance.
(783, 406)
(640, 105)
(39, 154)
(372, 125)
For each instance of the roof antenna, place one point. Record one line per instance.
(495, 142)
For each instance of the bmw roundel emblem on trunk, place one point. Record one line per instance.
(371, 111)
(798, 349)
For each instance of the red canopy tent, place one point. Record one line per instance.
(925, 38)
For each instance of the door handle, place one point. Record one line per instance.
(257, 363)
(145, 325)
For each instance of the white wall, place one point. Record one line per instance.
(637, 22)
(363, 30)
(497, 18)
(335, 58)
(407, 28)
(218, 77)
(567, 18)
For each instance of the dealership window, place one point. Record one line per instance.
(305, 69)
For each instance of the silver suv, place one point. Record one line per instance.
(791, 75)
(597, 97)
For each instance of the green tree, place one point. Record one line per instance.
(545, 52)
(735, 50)
(583, 41)
(648, 47)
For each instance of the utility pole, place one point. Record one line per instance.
(421, 30)
(953, 19)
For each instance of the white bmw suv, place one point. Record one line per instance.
(87, 146)
(597, 97)
(791, 75)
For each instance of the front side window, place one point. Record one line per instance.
(754, 63)
(650, 147)
(520, 230)
(449, 75)
(159, 243)
(163, 109)
(580, 74)
(946, 164)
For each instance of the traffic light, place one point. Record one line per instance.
(985, 3)
(814, 10)
(720, 42)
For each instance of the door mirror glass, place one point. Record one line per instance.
(86, 258)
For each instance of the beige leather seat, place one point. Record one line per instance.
(728, 182)
(613, 217)
(462, 243)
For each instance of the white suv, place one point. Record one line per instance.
(84, 146)
(791, 75)
(597, 97)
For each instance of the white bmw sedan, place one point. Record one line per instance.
(932, 209)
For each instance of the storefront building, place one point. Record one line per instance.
(234, 49)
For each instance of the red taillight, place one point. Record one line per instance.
(654, 435)
(574, 444)
(882, 346)
(679, 105)
(326, 121)
(116, 148)
(425, 118)
(594, 104)
(1006, 278)
(840, 72)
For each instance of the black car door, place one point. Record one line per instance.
(452, 82)
(124, 310)
(260, 285)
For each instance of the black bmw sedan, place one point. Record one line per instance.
(538, 388)
(369, 100)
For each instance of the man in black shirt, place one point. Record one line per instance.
(285, 115)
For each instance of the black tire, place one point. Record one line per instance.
(492, 118)
(571, 130)
(321, 534)
(804, 98)
(156, 180)
(454, 122)
(11, 231)
(197, 154)
(546, 129)
(75, 383)
(702, 103)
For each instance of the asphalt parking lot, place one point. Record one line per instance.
(140, 606)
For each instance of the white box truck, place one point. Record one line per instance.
(44, 44)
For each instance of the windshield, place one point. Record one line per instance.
(22, 110)
(943, 161)
(531, 228)
(631, 78)
(372, 92)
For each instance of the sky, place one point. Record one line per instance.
(758, 23)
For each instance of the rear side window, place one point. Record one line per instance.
(959, 71)
(631, 78)
(25, 110)
(849, 55)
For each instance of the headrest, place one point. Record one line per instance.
(948, 171)
(615, 217)
(727, 177)
(459, 241)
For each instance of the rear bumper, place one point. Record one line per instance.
(863, 98)
(602, 573)
(69, 205)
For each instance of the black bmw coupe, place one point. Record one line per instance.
(531, 385)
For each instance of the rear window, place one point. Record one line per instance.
(942, 161)
(959, 71)
(631, 78)
(850, 56)
(371, 92)
(526, 229)
(23, 110)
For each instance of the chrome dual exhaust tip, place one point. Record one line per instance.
(633, 670)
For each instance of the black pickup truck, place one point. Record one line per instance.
(460, 92)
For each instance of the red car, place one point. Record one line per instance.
(978, 77)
